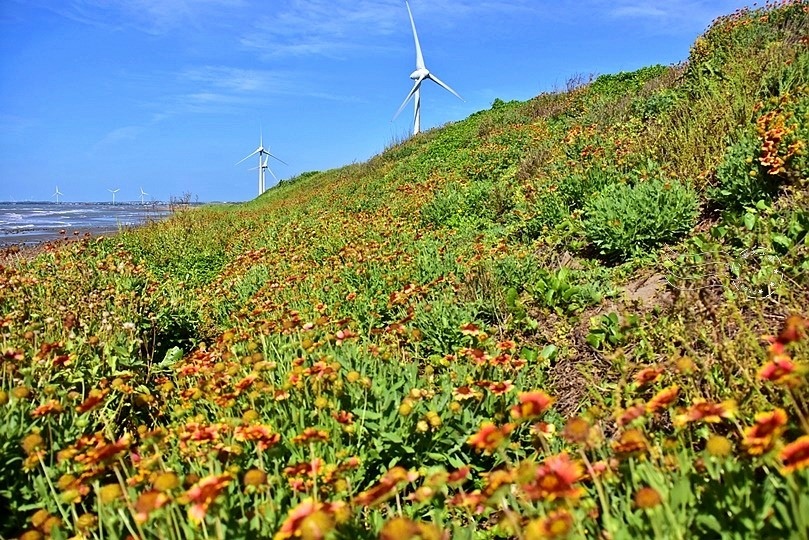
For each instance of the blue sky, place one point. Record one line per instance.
(168, 95)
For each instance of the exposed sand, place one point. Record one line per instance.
(29, 244)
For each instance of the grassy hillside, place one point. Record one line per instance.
(550, 319)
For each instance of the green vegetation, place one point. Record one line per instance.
(548, 320)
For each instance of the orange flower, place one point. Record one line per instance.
(794, 329)
(759, 437)
(795, 455)
(647, 498)
(544, 430)
(94, 398)
(311, 519)
(489, 437)
(532, 404)
(702, 410)
(401, 528)
(386, 487)
(457, 477)
(557, 524)
(578, 431)
(470, 329)
(51, 407)
(631, 442)
(663, 400)
(464, 392)
(245, 383)
(648, 375)
(473, 502)
(500, 388)
(261, 435)
(203, 493)
(554, 478)
(631, 414)
(148, 502)
(781, 370)
(495, 480)
(311, 435)
(343, 417)
(94, 449)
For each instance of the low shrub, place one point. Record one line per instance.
(625, 220)
(740, 179)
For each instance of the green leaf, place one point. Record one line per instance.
(709, 522)
(782, 241)
(173, 355)
(750, 221)
(549, 352)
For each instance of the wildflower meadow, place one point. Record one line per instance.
(579, 316)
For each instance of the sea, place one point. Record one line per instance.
(31, 223)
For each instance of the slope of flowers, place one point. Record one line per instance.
(440, 343)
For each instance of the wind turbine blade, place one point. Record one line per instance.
(438, 81)
(419, 56)
(272, 173)
(410, 95)
(275, 157)
(251, 155)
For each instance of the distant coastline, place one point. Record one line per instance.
(32, 223)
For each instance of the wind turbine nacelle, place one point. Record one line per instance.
(419, 73)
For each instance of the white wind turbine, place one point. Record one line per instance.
(263, 163)
(114, 191)
(142, 194)
(57, 194)
(419, 76)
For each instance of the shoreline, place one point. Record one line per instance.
(38, 242)
(50, 234)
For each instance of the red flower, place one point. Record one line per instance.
(702, 410)
(148, 502)
(311, 435)
(759, 437)
(95, 397)
(632, 413)
(464, 393)
(500, 388)
(203, 493)
(532, 404)
(51, 407)
(648, 375)
(631, 442)
(781, 370)
(795, 455)
(261, 435)
(313, 518)
(386, 487)
(555, 478)
(489, 437)
(343, 417)
(663, 400)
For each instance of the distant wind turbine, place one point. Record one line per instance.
(57, 194)
(142, 193)
(263, 163)
(421, 74)
(114, 191)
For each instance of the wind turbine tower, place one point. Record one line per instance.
(114, 191)
(142, 194)
(57, 194)
(263, 163)
(421, 74)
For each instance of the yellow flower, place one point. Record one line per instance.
(255, 477)
(719, 446)
(109, 493)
